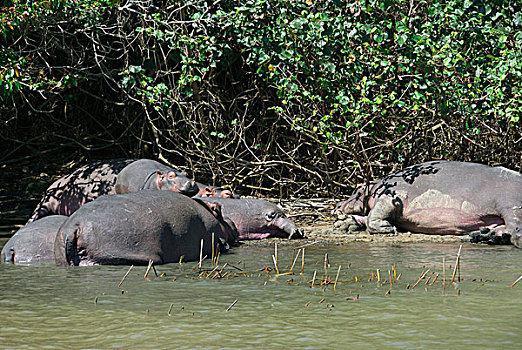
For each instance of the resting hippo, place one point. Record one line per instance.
(135, 227)
(91, 181)
(257, 218)
(213, 191)
(34, 241)
(147, 174)
(442, 197)
(83, 185)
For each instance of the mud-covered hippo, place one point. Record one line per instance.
(33, 242)
(91, 181)
(442, 197)
(147, 174)
(257, 218)
(135, 227)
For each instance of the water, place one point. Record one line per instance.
(47, 307)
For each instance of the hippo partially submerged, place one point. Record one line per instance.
(257, 218)
(33, 242)
(133, 228)
(91, 181)
(442, 197)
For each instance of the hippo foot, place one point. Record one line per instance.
(489, 236)
(478, 236)
(380, 227)
(297, 234)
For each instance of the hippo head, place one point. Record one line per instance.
(172, 181)
(216, 192)
(280, 225)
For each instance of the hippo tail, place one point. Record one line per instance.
(66, 246)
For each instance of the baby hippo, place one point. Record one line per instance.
(136, 227)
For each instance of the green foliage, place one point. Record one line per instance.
(313, 85)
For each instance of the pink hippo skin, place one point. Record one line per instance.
(206, 191)
(133, 228)
(91, 181)
(257, 218)
(442, 197)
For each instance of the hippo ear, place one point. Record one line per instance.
(160, 175)
(226, 194)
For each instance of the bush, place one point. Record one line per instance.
(279, 97)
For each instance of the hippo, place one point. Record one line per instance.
(257, 218)
(135, 227)
(147, 174)
(91, 181)
(206, 191)
(33, 242)
(442, 197)
(83, 185)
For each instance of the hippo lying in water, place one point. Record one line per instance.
(91, 181)
(442, 197)
(257, 218)
(133, 228)
(33, 242)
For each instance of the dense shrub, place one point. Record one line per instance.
(281, 96)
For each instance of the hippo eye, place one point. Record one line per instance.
(172, 175)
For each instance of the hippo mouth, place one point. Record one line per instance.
(189, 189)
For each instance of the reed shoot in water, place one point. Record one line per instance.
(457, 266)
(148, 269)
(337, 276)
(125, 276)
(518, 279)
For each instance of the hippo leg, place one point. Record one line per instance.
(387, 209)
(513, 219)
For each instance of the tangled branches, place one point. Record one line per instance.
(272, 97)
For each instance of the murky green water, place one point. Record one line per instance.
(51, 307)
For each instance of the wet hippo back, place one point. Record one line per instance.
(133, 228)
(33, 242)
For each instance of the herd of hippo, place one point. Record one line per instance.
(126, 211)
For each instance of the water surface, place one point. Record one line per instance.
(44, 306)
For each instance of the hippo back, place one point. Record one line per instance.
(133, 228)
(33, 242)
(83, 185)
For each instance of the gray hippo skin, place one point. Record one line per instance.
(91, 181)
(83, 185)
(133, 228)
(257, 218)
(442, 197)
(147, 174)
(33, 242)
